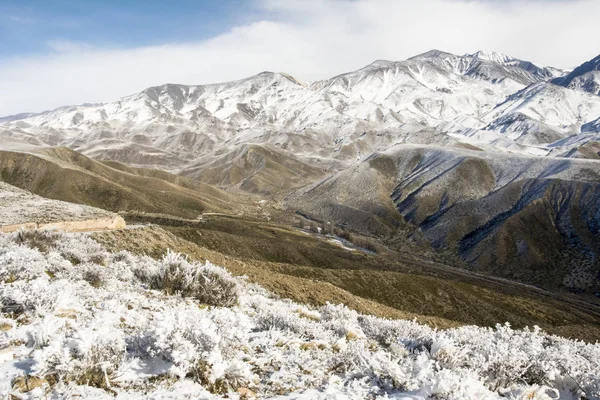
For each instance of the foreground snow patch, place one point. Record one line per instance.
(82, 322)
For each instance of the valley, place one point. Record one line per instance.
(478, 169)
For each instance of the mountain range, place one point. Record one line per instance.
(483, 158)
(484, 99)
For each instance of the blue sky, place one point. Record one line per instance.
(62, 52)
(34, 26)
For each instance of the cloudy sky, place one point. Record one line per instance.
(57, 52)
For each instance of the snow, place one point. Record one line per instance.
(389, 100)
(19, 206)
(101, 322)
(492, 56)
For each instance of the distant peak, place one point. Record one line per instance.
(492, 56)
(588, 66)
(293, 79)
(433, 54)
(268, 75)
(381, 63)
(265, 73)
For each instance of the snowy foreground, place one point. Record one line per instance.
(81, 322)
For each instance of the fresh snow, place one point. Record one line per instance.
(70, 322)
(485, 94)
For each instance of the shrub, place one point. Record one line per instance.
(364, 243)
(341, 233)
(94, 359)
(236, 376)
(22, 263)
(93, 277)
(186, 343)
(42, 240)
(206, 283)
(314, 227)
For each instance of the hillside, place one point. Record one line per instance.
(21, 209)
(62, 174)
(131, 326)
(441, 153)
(531, 220)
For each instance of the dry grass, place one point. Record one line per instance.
(26, 383)
(369, 284)
(64, 174)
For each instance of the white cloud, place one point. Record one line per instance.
(310, 39)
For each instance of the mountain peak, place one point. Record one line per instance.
(586, 67)
(492, 56)
(381, 63)
(278, 76)
(434, 53)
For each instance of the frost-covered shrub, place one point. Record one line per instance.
(42, 331)
(93, 275)
(175, 275)
(236, 375)
(41, 240)
(447, 354)
(191, 345)
(410, 334)
(84, 341)
(22, 263)
(81, 249)
(88, 358)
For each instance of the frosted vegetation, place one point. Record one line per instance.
(82, 322)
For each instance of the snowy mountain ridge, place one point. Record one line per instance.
(454, 98)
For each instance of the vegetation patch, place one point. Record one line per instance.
(175, 275)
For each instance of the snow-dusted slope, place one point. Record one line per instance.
(346, 117)
(543, 113)
(518, 66)
(113, 325)
(21, 208)
(586, 77)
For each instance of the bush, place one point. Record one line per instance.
(206, 283)
(314, 227)
(341, 233)
(42, 240)
(94, 359)
(93, 277)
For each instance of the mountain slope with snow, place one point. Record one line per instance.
(475, 120)
(586, 77)
(345, 118)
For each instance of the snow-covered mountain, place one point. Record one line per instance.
(586, 77)
(544, 113)
(488, 99)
